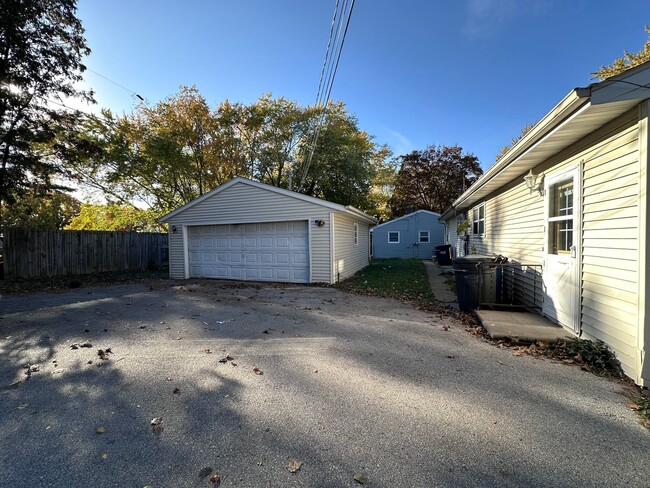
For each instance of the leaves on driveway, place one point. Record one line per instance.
(100, 430)
(293, 465)
(177, 391)
(77, 345)
(257, 371)
(157, 425)
(104, 354)
(216, 479)
(226, 358)
(360, 478)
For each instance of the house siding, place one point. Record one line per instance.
(409, 228)
(242, 203)
(608, 160)
(348, 258)
(610, 239)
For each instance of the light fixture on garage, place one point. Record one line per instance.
(173, 229)
(534, 182)
(319, 223)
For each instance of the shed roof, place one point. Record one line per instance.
(581, 112)
(256, 184)
(435, 214)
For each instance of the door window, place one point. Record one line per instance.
(560, 219)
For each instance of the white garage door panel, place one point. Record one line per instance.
(270, 251)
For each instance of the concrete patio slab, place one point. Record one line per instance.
(521, 326)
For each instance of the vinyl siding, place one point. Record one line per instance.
(610, 239)
(409, 228)
(243, 203)
(514, 226)
(348, 258)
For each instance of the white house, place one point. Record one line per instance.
(246, 230)
(585, 219)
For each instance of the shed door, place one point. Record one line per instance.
(561, 285)
(269, 251)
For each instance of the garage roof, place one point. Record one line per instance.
(316, 201)
(581, 112)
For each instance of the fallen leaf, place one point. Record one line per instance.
(176, 391)
(293, 465)
(360, 478)
(257, 371)
(226, 358)
(156, 425)
(22, 406)
(216, 479)
(100, 430)
(445, 328)
(451, 357)
(233, 363)
(208, 351)
(104, 456)
(205, 472)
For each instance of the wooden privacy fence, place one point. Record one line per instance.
(30, 253)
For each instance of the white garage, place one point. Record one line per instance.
(268, 251)
(246, 230)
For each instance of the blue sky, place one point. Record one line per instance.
(466, 72)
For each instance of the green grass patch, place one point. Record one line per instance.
(404, 279)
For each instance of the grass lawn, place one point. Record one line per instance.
(405, 279)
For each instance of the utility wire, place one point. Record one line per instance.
(329, 74)
(116, 83)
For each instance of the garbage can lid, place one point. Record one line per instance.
(471, 260)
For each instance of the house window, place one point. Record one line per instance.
(393, 237)
(561, 218)
(424, 236)
(478, 220)
(356, 234)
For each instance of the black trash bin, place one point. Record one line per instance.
(474, 283)
(443, 255)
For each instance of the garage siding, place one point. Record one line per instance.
(348, 258)
(242, 203)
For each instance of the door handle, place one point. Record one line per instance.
(573, 251)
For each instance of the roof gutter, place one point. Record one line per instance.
(574, 101)
(359, 213)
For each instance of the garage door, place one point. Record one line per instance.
(270, 251)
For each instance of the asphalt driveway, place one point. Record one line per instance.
(344, 384)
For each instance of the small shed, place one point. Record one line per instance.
(246, 230)
(414, 235)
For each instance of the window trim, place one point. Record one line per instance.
(393, 232)
(476, 223)
(420, 241)
(356, 234)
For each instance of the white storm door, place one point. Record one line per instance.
(562, 234)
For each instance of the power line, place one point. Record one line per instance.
(115, 83)
(328, 74)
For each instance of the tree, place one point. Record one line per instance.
(168, 154)
(115, 217)
(346, 162)
(41, 49)
(432, 179)
(629, 60)
(39, 208)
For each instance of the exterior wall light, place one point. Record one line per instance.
(319, 223)
(173, 229)
(534, 182)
